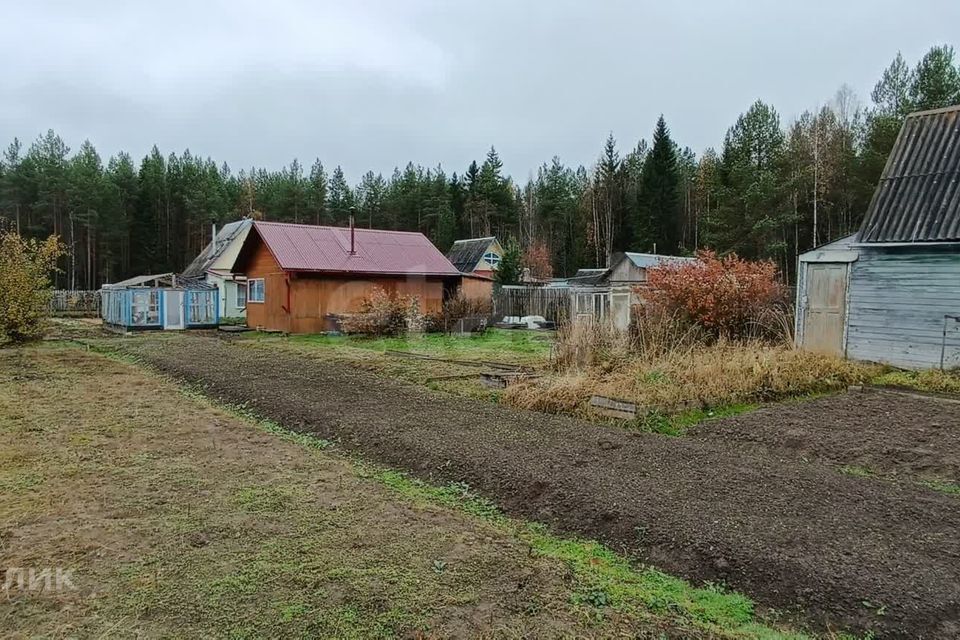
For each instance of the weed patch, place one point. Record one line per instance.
(684, 385)
(931, 381)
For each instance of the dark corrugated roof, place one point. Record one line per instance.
(465, 254)
(210, 253)
(918, 198)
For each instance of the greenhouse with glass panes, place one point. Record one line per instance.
(162, 301)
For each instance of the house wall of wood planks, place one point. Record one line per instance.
(299, 302)
(473, 288)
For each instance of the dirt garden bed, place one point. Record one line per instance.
(889, 433)
(790, 530)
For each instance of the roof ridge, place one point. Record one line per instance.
(933, 112)
(329, 226)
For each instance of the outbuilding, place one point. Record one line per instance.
(610, 294)
(890, 293)
(299, 277)
(214, 263)
(160, 301)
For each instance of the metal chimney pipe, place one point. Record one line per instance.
(353, 234)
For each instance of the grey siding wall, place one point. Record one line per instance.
(898, 298)
(626, 271)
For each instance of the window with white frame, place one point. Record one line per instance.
(145, 307)
(492, 259)
(255, 290)
(241, 296)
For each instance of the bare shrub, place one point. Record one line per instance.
(536, 258)
(457, 308)
(382, 313)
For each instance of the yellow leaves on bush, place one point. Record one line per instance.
(25, 287)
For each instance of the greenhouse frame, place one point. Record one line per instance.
(160, 302)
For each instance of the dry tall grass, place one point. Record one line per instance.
(667, 365)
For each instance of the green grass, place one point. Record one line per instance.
(520, 347)
(679, 423)
(950, 488)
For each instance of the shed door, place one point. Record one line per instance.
(825, 308)
(173, 309)
(620, 309)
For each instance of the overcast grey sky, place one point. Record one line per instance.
(371, 85)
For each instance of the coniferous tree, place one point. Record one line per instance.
(339, 197)
(370, 195)
(511, 264)
(85, 198)
(935, 81)
(121, 207)
(317, 193)
(747, 219)
(151, 205)
(659, 221)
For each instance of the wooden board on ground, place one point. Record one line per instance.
(503, 379)
(614, 408)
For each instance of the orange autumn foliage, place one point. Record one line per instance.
(726, 295)
(537, 259)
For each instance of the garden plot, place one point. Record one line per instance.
(889, 434)
(795, 533)
(178, 519)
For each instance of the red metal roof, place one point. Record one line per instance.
(301, 247)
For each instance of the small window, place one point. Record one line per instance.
(241, 296)
(493, 259)
(600, 303)
(255, 290)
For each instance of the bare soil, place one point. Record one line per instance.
(792, 531)
(895, 434)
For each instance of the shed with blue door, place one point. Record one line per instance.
(890, 293)
(162, 301)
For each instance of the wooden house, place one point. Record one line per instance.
(891, 292)
(476, 256)
(214, 264)
(298, 276)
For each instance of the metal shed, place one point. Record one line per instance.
(161, 301)
(891, 292)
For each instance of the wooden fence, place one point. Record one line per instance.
(553, 304)
(78, 304)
